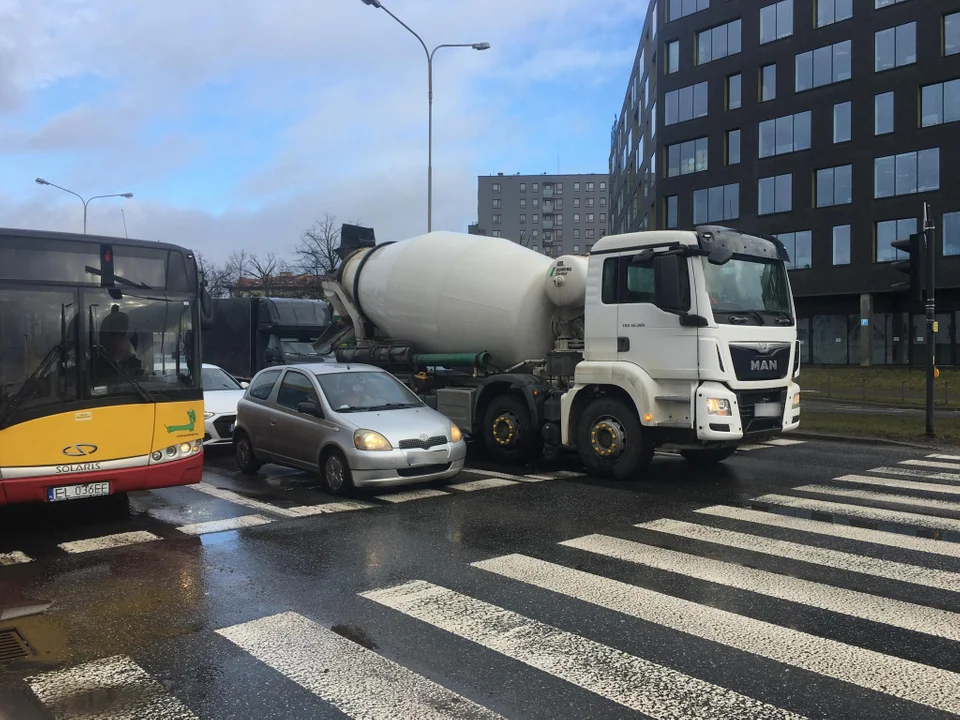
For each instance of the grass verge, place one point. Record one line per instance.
(883, 384)
(906, 428)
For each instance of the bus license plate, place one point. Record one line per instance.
(768, 410)
(77, 492)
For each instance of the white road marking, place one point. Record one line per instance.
(900, 484)
(748, 448)
(901, 572)
(114, 687)
(14, 558)
(847, 532)
(932, 464)
(916, 473)
(108, 541)
(882, 497)
(638, 684)
(359, 682)
(557, 475)
(945, 457)
(215, 526)
(897, 613)
(473, 472)
(784, 442)
(330, 507)
(896, 517)
(868, 669)
(484, 484)
(238, 499)
(402, 497)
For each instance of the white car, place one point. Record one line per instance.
(221, 393)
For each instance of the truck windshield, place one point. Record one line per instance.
(749, 290)
(365, 391)
(297, 348)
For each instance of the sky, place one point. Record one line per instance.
(237, 125)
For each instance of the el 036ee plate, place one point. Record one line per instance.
(78, 492)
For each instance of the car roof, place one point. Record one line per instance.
(332, 368)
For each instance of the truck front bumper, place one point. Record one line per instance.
(725, 415)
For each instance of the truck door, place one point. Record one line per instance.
(650, 335)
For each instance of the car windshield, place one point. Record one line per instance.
(748, 285)
(296, 347)
(354, 391)
(217, 379)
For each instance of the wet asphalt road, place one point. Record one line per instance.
(813, 580)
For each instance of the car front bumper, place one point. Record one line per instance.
(405, 467)
(218, 430)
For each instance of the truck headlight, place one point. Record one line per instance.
(796, 400)
(718, 406)
(370, 440)
(455, 434)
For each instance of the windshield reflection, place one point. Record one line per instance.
(748, 286)
(359, 391)
(215, 378)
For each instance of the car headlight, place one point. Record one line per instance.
(718, 406)
(455, 434)
(370, 440)
(796, 400)
(208, 415)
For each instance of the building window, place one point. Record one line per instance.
(536, 188)
(776, 21)
(673, 56)
(558, 189)
(536, 248)
(496, 203)
(671, 211)
(590, 187)
(775, 195)
(832, 11)
(589, 234)
(496, 233)
(523, 235)
(496, 219)
(841, 245)
(907, 173)
(768, 83)
(590, 217)
(716, 203)
(799, 247)
(603, 201)
(823, 66)
(523, 187)
(535, 234)
(603, 187)
(895, 47)
(877, 4)
(677, 9)
(536, 202)
(888, 232)
(576, 249)
(496, 187)
(951, 233)
(603, 217)
(685, 104)
(841, 122)
(940, 103)
(558, 220)
(733, 147)
(523, 219)
(576, 187)
(734, 92)
(590, 202)
(687, 157)
(536, 218)
(576, 233)
(785, 135)
(883, 113)
(719, 42)
(523, 202)
(558, 204)
(576, 217)
(834, 186)
(576, 202)
(951, 34)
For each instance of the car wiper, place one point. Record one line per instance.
(141, 390)
(782, 318)
(13, 402)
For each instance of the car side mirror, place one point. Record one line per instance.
(244, 384)
(308, 408)
(671, 285)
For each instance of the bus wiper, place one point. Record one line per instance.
(12, 403)
(141, 390)
(119, 279)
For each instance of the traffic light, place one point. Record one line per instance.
(106, 266)
(915, 247)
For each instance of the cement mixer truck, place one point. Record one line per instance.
(679, 339)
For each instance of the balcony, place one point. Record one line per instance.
(547, 222)
(547, 190)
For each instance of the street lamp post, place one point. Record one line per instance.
(429, 53)
(41, 181)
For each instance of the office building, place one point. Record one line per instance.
(553, 214)
(827, 123)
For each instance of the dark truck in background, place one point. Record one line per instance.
(246, 335)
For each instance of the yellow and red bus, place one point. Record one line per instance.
(100, 380)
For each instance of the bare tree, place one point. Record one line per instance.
(317, 251)
(264, 270)
(215, 276)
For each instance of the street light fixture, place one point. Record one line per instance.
(430, 53)
(127, 195)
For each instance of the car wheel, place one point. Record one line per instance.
(708, 456)
(611, 441)
(336, 473)
(508, 434)
(243, 452)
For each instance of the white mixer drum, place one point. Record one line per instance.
(447, 292)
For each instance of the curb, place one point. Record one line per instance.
(864, 440)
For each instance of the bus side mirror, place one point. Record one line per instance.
(671, 286)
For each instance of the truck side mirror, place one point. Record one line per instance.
(720, 256)
(671, 284)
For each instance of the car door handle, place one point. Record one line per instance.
(623, 344)
(273, 421)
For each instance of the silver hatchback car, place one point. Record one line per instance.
(356, 425)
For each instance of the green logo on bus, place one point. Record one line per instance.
(192, 416)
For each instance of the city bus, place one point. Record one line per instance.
(100, 379)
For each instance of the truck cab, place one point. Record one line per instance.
(696, 331)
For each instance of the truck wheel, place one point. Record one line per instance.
(507, 432)
(708, 456)
(243, 452)
(611, 440)
(336, 473)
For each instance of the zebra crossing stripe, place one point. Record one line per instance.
(485, 484)
(114, 687)
(14, 558)
(358, 682)
(868, 669)
(845, 532)
(955, 458)
(901, 572)
(897, 517)
(861, 605)
(215, 526)
(108, 541)
(326, 508)
(783, 442)
(932, 464)
(402, 497)
(900, 484)
(943, 505)
(917, 473)
(638, 684)
(292, 512)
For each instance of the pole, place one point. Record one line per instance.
(430, 140)
(85, 203)
(928, 231)
(122, 215)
